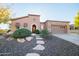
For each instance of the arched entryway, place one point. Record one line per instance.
(33, 28)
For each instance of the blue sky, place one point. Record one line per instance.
(48, 11)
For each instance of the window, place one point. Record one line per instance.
(25, 25)
(17, 25)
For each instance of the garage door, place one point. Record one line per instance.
(58, 29)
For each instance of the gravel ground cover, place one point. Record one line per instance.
(54, 46)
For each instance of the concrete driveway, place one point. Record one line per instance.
(74, 38)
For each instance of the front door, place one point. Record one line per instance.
(33, 28)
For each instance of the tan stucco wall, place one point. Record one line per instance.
(42, 25)
(34, 20)
(30, 20)
(60, 23)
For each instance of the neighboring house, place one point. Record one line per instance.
(72, 27)
(32, 22)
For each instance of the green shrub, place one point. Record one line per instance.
(37, 31)
(44, 33)
(21, 33)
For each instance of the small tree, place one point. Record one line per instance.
(76, 22)
(4, 15)
(44, 33)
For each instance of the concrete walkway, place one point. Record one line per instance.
(38, 47)
(74, 38)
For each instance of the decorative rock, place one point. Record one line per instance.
(9, 38)
(9, 33)
(33, 34)
(21, 40)
(32, 54)
(40, 42)
(29, 38)
(39, 47)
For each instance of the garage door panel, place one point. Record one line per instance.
(58, 29)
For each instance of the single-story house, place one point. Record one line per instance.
(32, 22)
